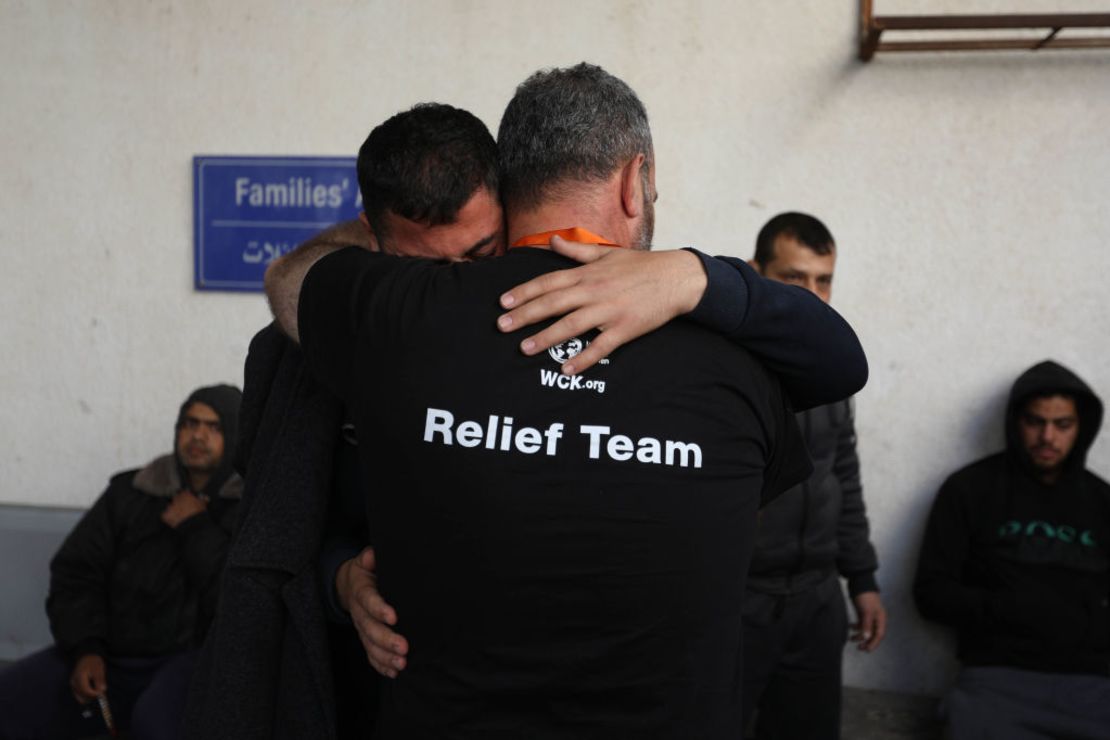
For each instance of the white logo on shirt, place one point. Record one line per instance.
(565, 350)
(555, 379)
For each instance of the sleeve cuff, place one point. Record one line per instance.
(88, 646)
(330, 560)
(861, 583)
(724, 305)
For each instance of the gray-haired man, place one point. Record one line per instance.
(597, 526)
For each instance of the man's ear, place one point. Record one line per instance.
(758, 267)
(632, 187)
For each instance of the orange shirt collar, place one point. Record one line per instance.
(574, 234)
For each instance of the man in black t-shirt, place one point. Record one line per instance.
(596, 526)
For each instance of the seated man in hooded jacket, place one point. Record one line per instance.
(1016, 559)
(132, 589)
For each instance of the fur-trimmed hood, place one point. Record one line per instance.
(161, 478)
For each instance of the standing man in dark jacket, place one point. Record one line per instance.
(132, 589)
(1015, 558)
(795, 623)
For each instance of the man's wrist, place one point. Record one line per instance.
(723, 305)
(88, 646)
(692, 282)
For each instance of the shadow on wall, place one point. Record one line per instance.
(918, 656)
(986, 432)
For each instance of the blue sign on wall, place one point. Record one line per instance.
(249, 210)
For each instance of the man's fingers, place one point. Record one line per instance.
(575, 325)
(598, 350)
(385, 649)
(872, 629)
(380, 634)
(385, 663)
(87, 681)
(878, 630)
(367, 598)
(538, 286)
(584, 253)
(98, 682)
(582, 361)
(84, 688)
(366, 559)
(382, 663)
(379, 609)
(572, 325)
(866, 630)
(372, 618)
(545, 306)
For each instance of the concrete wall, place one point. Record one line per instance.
(968, 194)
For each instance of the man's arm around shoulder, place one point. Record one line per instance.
(285, 275)
(810, 347)
(626, 294)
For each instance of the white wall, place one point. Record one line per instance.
(968, 194)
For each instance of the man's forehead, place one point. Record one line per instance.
(201, 411)
(788, 248)
(478, 228)
(1051, 407)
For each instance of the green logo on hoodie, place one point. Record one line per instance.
(1062, 532)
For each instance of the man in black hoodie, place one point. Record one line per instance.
(132, 589)
(1015, 558)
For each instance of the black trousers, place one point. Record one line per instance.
(793, 648)
(147, 696)
(1016, 704)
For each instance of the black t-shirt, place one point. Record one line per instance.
(566, 555)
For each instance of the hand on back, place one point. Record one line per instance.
(621, 292)
(357, 588)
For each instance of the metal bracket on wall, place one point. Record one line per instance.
(872, 27)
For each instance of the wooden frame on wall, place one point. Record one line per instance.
(872, 27)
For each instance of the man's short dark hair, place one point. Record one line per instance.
(1043, 394)
(425, 164)
(574, 124)
(802, 227)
